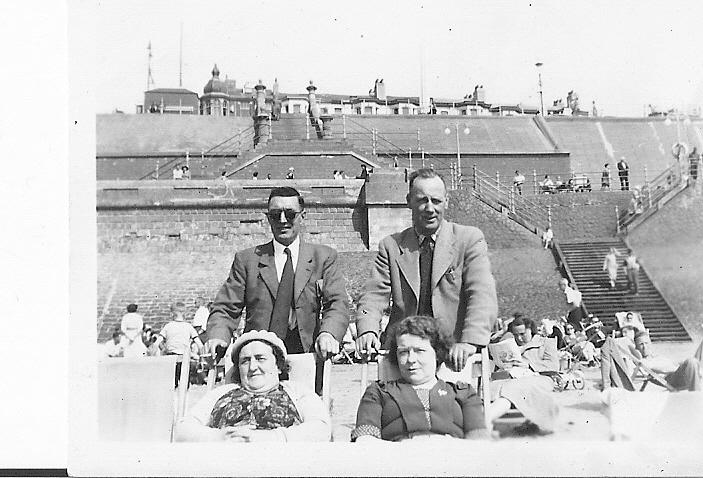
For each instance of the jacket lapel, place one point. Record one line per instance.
(303, 270)
(409, 260)
(267, 268)
(444, 251)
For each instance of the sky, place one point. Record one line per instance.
(622, 55)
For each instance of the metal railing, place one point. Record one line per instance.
(647, 199)
(233, 146)
(529, 213)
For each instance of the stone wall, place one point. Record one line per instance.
(221, 215)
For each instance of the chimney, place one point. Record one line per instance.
(380, 89)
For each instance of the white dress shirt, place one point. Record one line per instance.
(280, 257)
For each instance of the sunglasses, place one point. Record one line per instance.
(275, 214)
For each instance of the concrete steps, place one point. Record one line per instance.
(585, 260)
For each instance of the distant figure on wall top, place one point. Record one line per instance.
(291, 173)
(605, 177)
(624, 174)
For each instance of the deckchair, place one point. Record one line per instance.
(303, 368)
(620, 367)
(135, 398)
(476, 372)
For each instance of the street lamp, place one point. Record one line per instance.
(466, 131)
(539, 76)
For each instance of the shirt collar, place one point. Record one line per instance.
(421, 237)
(294, 247)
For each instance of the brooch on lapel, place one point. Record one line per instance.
(441, 392)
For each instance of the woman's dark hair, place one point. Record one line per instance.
(423, 327)
(280, 361)
(526, 321)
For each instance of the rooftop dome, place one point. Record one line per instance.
(215, 85)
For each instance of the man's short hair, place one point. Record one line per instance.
(526, 321)
(424, 173)
(132, 307)
(287, 191)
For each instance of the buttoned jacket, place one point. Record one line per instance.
(463, 288)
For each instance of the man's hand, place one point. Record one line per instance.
(367, 344)
(459, 355)
(326, 345)
(211, 345)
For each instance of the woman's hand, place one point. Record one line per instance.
(247, 434)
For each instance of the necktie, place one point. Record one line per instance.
(284, 300)
(424, 306)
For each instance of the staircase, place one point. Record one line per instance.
(584, 260)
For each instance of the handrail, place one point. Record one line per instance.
(246, 134)
(487, 188)
(652, 192)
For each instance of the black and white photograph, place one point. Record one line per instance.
(381, 238)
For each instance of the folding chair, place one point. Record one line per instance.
(620, 368)
(476, 372)
(135, 398)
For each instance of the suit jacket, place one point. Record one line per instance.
(252, 284)
(463, 289)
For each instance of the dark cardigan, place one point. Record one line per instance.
(396, 411)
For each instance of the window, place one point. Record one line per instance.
(358, 111)
(338, 111)
(368, 110)
(474, 112)
(296, 108)
(444, 112)
(324, 111)
(224, 109)
(463, 112)
(395, 111)
(406, 110)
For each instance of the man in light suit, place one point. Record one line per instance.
(461, 291)
(316, 281)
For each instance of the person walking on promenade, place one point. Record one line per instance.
(610, 264)
(624, 174)
(284, 284)
(518, 181)
(605, 177)
(434, 268)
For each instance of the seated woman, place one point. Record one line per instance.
(419, 404)
(257, 406)
(530, 393)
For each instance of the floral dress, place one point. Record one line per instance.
(273, 409)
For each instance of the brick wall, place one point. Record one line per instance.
(217, 215)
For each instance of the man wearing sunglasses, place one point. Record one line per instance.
(285, 285)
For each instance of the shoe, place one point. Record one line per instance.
(526, 428)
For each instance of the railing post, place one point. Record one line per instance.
(344, 126)
(534, 182)
(473, 171)
(649, 196)
(307, 128)
(617, 219)
(645, 174)
(498, 180)
(511, 200)
(418, 139)
(156, 171)
(270, 128)
(422, 153)
(549, 216)
(373, 141)
(188, 160)
(410, 159)
(202, 156)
